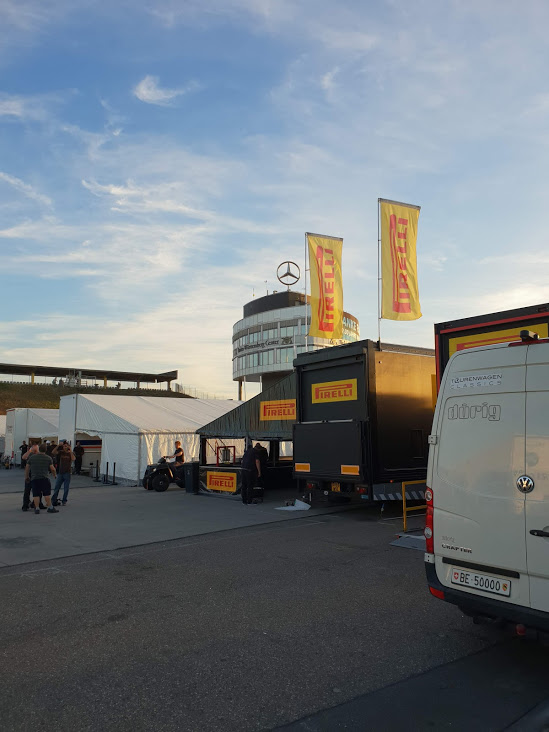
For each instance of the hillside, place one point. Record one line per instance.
(46, 396)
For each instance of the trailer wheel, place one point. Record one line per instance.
(161, 482)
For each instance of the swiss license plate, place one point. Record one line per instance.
(483, 582)
(336, 487)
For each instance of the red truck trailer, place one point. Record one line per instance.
(484, 330)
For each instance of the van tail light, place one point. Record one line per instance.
(439, 594)
(428, 532)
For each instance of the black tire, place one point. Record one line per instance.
(146, 485)
(161, 482)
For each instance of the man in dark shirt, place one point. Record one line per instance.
(179, 455)
(251, 471)
(65, 457)
(24, 447)
(79, 454)
(263, 456)
(41, 466)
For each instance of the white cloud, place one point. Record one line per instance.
(270, 14)
(149, 91)
(25, 108)
(327, 82)
(25, 189)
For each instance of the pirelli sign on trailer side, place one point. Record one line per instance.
(486, 330)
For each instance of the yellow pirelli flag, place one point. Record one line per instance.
(326, 286)
(400, 294)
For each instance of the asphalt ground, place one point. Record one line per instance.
(103, 517)
(255, 628)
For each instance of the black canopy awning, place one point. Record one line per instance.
(255, 419)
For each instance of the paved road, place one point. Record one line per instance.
(253, 629)
(100, 517)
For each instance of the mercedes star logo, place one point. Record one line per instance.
(288, 273)
(525, 484)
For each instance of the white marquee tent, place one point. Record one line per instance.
(24, 423)
(135, 430)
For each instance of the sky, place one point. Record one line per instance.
(158, 162)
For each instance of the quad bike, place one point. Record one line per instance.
(159, 476)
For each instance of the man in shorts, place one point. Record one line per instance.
(26, 493)
(41, 466)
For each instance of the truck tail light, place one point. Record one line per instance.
(428, 532)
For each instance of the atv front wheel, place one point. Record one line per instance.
(161, 482)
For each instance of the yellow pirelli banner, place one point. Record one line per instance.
(280, 409)
(400, 294)
(326, 286)
(225, 482)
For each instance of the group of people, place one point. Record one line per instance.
(50, 447)
(41, 462)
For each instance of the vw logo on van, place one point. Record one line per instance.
(525, 484)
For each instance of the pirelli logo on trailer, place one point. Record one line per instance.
(334, 391)
(221, 481)
(281, 409)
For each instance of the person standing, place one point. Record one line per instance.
(41, 466)
(27, 490)
(24, 447)
(263, 456)
(251, 471)
(79, 454)
(65, 457)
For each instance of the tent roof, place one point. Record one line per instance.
(133, 414)
(244, 421)
(42, 422)
(49, 415)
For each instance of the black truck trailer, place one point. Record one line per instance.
(364, 413)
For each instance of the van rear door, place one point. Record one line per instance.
(479, 515)
(537, 468)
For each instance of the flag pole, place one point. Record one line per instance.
(306, 304)
(378, 275)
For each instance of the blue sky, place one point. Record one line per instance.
(157, 163)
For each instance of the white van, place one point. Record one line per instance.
(487, 527)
